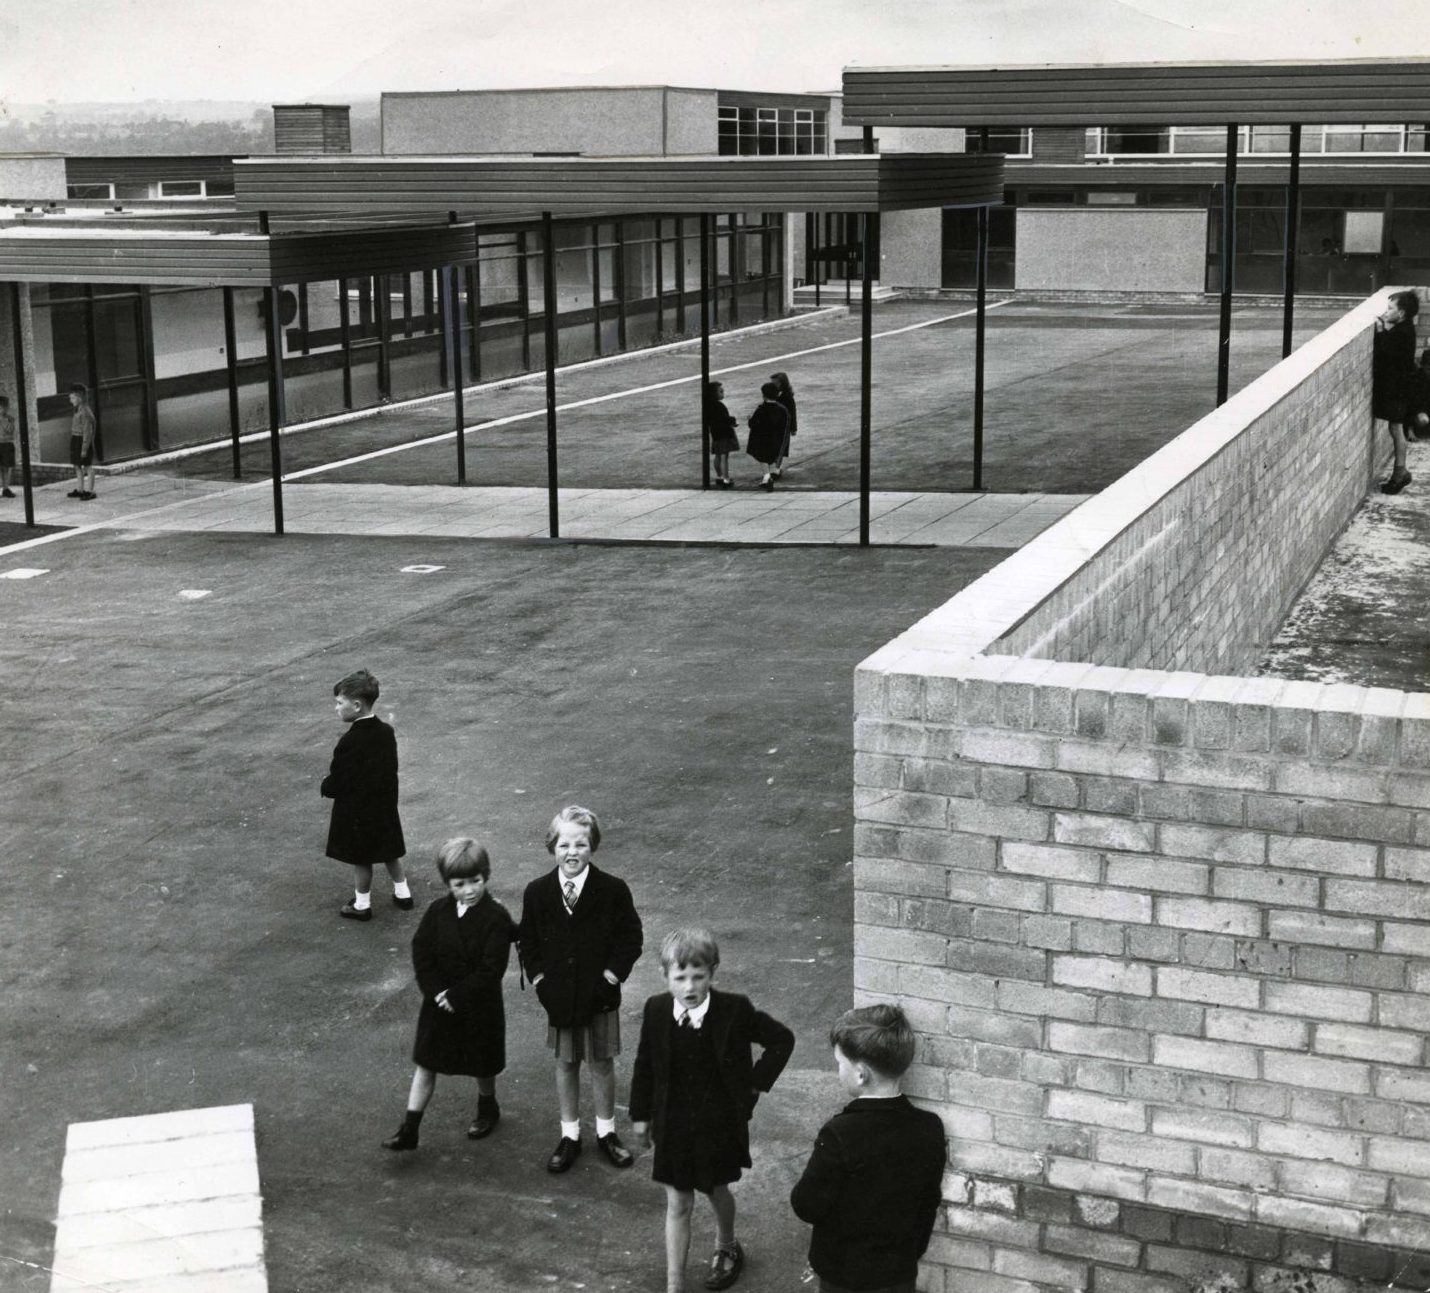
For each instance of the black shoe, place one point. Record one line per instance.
(616, 1153)
(768, 485)
(406, 904)
(6, 493)
(725, 1266)
(1399, 479)
(88, 494)
(352, 913)
(74, 493)
(565, 1153)
(488, 1115)
(404, 1138)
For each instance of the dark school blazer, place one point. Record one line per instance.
(735, 1026)
(573, 949)
(362, 783)
(871, 1190)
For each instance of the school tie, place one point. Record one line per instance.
(570, 895)
(684, 1020)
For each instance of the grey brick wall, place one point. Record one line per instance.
(1164, 930)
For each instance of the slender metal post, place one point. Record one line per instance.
(273, 335)
(1228, 266)
(1293, 233)
(345, 331)
(452, 340)
(384, 334)
(444, 319)
(980, 323)
(704, 348)
(548, 247)
(866, 346)
(230, 346)
(22, 401)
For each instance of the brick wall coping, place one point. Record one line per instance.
(958, 638)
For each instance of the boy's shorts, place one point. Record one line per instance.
(7, 456)
(79, 455)
(598, 1040)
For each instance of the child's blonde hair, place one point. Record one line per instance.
(574, 813)
(691, 945)
(462, 857)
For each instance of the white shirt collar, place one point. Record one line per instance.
(464, 907)
(579, 881)
(695, 1015)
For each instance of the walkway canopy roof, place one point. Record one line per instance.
(1163, 94)
(477, 187)
(336, 217)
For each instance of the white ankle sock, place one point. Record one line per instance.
(400, 889)
(605, 1126)
(362, 901)
(571, 1130)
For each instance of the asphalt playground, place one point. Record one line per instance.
(171, 937)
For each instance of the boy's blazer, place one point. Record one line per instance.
(735, 1026)
(362, 783)
(573, 949)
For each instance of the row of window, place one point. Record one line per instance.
(766, 132)
(119, 190)
(1201, 141)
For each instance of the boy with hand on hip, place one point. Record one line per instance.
(873, 1185)
(578, 939)
(365, 829)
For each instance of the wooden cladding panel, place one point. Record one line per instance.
(1134, 94)
(198, 262)
(368, 186)
(1251, 171)
(146, 170)
(309, 258)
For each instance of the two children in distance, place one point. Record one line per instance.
(771, 425)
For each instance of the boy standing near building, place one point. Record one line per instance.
(81, 442)
(9, 446)
(873, 1185)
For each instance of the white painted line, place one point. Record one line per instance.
(23, 572)
(194, 594)
(767, 362)
(421, 570)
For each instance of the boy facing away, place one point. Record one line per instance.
(873, 1184)
(365, 829)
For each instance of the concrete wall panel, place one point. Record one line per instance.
(1111, 249)
(33, 177)
(692, 120)
(912, 247)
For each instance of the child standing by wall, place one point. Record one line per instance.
(723, 441)
(81, 442)
(9, 446)
(873, 1185)
(578, 939)
(362, 783)
(693, 1091)
(460, 952)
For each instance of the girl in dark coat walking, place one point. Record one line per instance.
(364, 829)
(693, 1092)
(769, 425)
(785, 396)
(723, 441)
(460, 953)
(1392, 375)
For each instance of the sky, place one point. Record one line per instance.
(297, 50)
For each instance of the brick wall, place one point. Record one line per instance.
(1164, 930)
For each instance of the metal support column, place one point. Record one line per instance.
(548, 275)
(345, 332)
(22, 401)
(866, 346)
(452, 340)
(230, 347)
(1293, 233)
(704, 348)
(1228, 266)
(980, 325)
(273, 335)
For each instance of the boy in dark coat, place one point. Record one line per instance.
(578, 940)
(769, 430)
(1392, 376)
(873, 1185)
(362, 783)
(460, 953)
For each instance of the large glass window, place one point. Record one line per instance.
(1011, 141)
(756, 131)
(960, 247)
(1210, 141)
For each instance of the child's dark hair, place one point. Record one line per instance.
(691, 945)
(80, 389)
(781, 383)
(358, 685)
(574, 813)
(462, 858)
(879, 1035)
(1408, 302)
(769, 390)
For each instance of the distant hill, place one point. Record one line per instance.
(161, 126)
